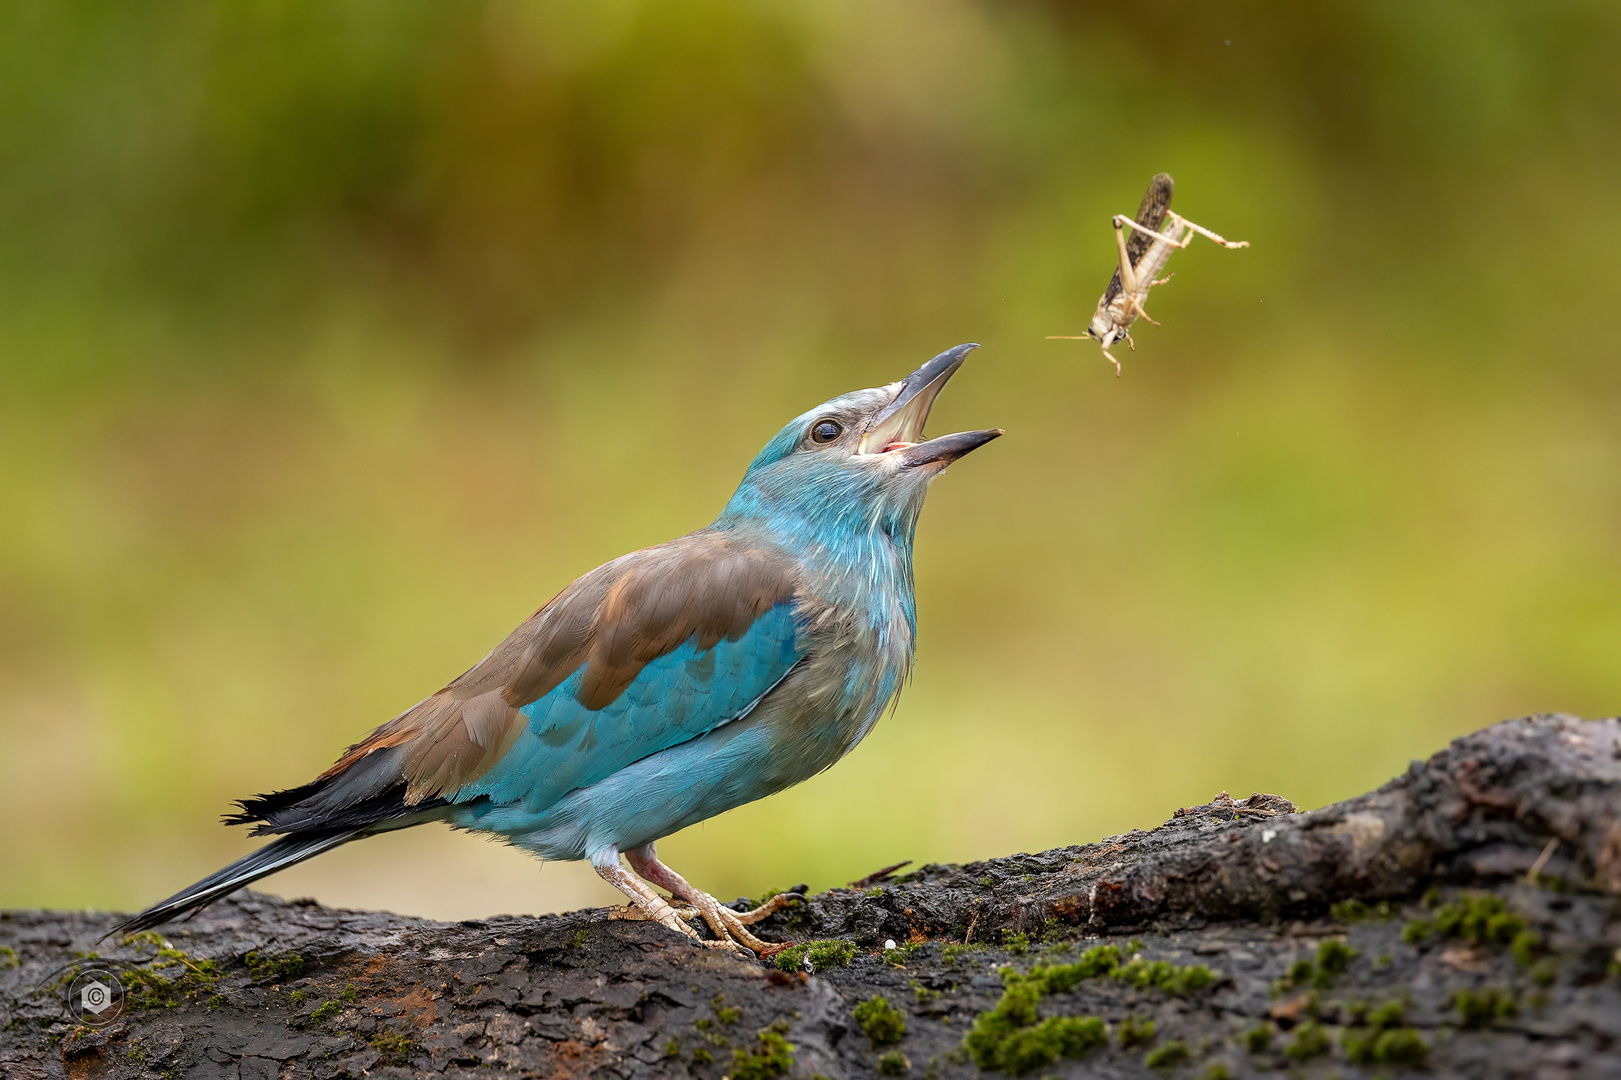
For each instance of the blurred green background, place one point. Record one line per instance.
(335, 338)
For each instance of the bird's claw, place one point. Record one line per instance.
(767, 909)
(773, 948)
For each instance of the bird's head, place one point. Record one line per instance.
(858, 461)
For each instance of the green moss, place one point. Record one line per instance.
(214, 1001)
(1416, 931)
(1169, 1055)
(880, 1021)
(1136, 1031)
(274, 967)
(771, 1057)
(923, 994)
(724, 1013)
(1310, 1040)
(1477, 1008)
(1403, 1046)
(1333, 957)
(1431, 898)
(952, 953)
(298, 996)
(1383, 1041)
(1016, 943)
(702, 1056)
(1544, 972)
(1355, 910)
(1358, 1045)
(1098, 960)
(1217, 1071)
(998, 1043)
(1388, 1015)
(1257, 1040)
(1008, 1036)
(893, 1063)
(8, 957)
(1526, 947)
(830, 953)
(349, 997)
(146, 988)
(396, 1047)
(326, 1011)
(1165, 976)
(672, 1049)
(578, 939)
(898, 956)
(1480, 918)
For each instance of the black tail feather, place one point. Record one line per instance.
(267, 860)
(370, 793)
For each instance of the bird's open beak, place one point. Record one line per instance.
(898, 426)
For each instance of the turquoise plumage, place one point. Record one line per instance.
(666, 686)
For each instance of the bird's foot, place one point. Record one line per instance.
(727, 924)
(678, 919)
(723, 922)
(647, 905)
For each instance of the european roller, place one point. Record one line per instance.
(667, 686)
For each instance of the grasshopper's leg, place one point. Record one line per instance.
(1121, 219)
(1202, 231)
(1128, 276)
(1134, 304)
(1112, 360)
(1162, 280)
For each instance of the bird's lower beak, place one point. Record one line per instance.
(947, 448)
(897, 428)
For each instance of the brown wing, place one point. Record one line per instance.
(1150, 215)
(613, 622)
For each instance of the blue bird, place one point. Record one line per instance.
(667, 686)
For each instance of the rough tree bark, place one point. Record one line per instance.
(1461, 920)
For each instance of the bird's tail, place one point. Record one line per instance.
(267, 860)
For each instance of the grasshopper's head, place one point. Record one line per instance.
(1105, 327)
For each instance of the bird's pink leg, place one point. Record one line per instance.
(727, 924)
(645, 903)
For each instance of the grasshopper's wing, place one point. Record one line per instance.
(1150, 215)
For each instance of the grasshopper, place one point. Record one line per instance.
(1141, 257)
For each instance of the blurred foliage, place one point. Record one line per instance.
(336, 337)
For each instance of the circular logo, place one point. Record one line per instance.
(96, 997)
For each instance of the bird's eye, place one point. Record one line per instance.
(825, 431)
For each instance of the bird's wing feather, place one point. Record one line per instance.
(647, 651)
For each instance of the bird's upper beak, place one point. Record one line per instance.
(898, 426)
